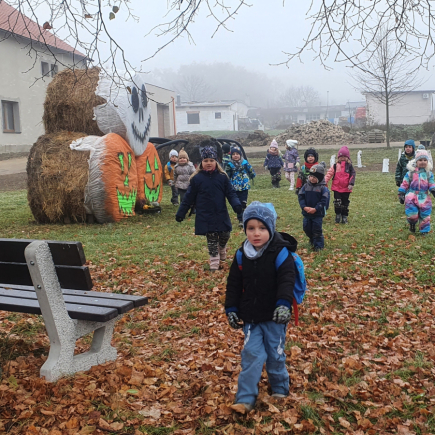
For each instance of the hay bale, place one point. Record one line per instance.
(150, 178)
(70, 101)
(192, 148)
(56, 179)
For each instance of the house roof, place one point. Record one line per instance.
(225, 103)
(15, 22)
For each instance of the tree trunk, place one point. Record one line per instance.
(387, 115)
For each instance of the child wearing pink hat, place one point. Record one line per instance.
(343, 181)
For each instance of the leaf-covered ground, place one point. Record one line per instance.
(360, 362)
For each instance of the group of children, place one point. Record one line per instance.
(261, 283)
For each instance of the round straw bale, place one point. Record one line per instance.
(70, 101)
(150, 177)
(56, 179)
(192, 148)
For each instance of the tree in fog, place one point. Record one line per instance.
(386, 74)
(298, 96)
(193, 87)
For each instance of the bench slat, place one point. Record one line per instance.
(138, 301)
(63, 253)
(70, 277)
(79, 312)
(121, 306)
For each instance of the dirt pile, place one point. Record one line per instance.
(320, 132)
(257, 139)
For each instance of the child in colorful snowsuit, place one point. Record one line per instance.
(407, 155)
(273, 163)
(314, 200)
(414, 190)
(343, 180)
(169, 175)
(291, 162)
(209, 188)
(240, 172)
(182, 172)
(226, 157)
(258, 299)
(311, 158)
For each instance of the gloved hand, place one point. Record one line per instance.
(350, 187)
(238, 209)
(397, 183)
(401, 196)
(281, 314)
(179, 218)
(234, 320)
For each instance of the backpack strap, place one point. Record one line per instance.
(239, 256)
(295, 309)
(281, 258)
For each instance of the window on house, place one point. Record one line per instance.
(217, 115)
(193, 118)
(45, 68)
(10, 117)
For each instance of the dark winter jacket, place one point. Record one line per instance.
(240, 174)
(254, 291)
(401, 168)
(316, 196)
(273, 161)
(209, 191)
(303, 174)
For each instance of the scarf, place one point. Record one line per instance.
(251, 253)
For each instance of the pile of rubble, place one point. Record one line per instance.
(321, 132)
(257, 139)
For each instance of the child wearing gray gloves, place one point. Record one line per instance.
(259, 299)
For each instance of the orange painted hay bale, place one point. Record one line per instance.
(56, 179)
(150, 177)
(70, 101)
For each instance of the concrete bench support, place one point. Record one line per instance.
(62, 330)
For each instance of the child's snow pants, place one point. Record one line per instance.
(264, 343)
(313, 229)
(418, 206)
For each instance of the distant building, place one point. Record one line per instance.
(26, 68)
(415, 107)
(286, 116)
(220, 115)
(163, 117)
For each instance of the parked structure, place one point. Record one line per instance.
(220, 115)
(415, 107)
(163, 116)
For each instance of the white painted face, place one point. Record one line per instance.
(126, 112)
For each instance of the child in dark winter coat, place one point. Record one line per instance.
(259, 298)
(343, 181)
(226, 157)
(240, 172)
(273, 163)
(291, 162)
(209, 188)
(407, 155)
(417, 184)
(311, 158)
(314, 200)
(169, 175)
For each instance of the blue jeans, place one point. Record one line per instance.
(264, 343)
(313, 229)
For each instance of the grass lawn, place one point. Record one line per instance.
(361, 360)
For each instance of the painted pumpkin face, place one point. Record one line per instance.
(149, 176)
(126, 112)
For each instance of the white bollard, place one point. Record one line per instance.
(430, 157)
(332, 161)
(359, 159)
(385, 165)
(400, 154)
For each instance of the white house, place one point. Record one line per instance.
(220, 115)
(26, 68)
(163, 118)
(415, 107)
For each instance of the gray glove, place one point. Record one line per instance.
(281, 314)
(234, 320)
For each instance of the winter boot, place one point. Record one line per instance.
(223, 253)
(214, 263)
(412, 228)
(344, 220)
(337, 218)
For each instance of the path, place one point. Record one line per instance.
(13, 166)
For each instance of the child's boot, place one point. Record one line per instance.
(214, 263)
(337, 218)
(344, 220)
(412, 228)
(223, 253)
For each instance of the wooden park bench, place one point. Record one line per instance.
(49, 278)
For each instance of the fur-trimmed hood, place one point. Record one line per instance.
(412, 166)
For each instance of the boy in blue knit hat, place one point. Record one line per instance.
(259, 298)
